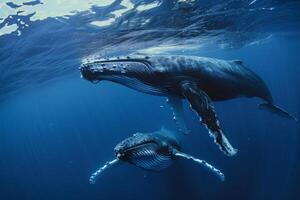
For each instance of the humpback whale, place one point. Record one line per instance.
(154, 151)
(199, 80)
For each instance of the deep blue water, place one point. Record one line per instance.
(56, 128)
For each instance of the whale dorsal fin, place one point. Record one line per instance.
(239, 62)
(202, 105)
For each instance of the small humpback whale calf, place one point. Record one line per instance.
(199, 80)
(154, 151)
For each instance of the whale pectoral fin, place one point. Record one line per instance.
(178, 115)
(216, 171)
(96, 174)
(202, 105)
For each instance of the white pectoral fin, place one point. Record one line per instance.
(178, 115)
(96, 174)
(202, 105)
(208, 166)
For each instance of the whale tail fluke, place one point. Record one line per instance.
(277, 110)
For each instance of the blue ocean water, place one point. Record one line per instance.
(56, 128)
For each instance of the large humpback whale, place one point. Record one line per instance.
(151, 151)
(199, 80)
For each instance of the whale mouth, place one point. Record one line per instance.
(89, 72)
(126, 153)
(148, 155)
(98, 70)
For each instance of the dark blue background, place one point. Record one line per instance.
(53, 136)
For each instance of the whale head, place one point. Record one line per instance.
(137, 142)
(114, 69)
(147, 151)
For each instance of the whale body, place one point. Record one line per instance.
(154, 151)
(199, 80)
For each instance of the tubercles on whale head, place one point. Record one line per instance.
(110, 69)
(125, 149)
(98, 70)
